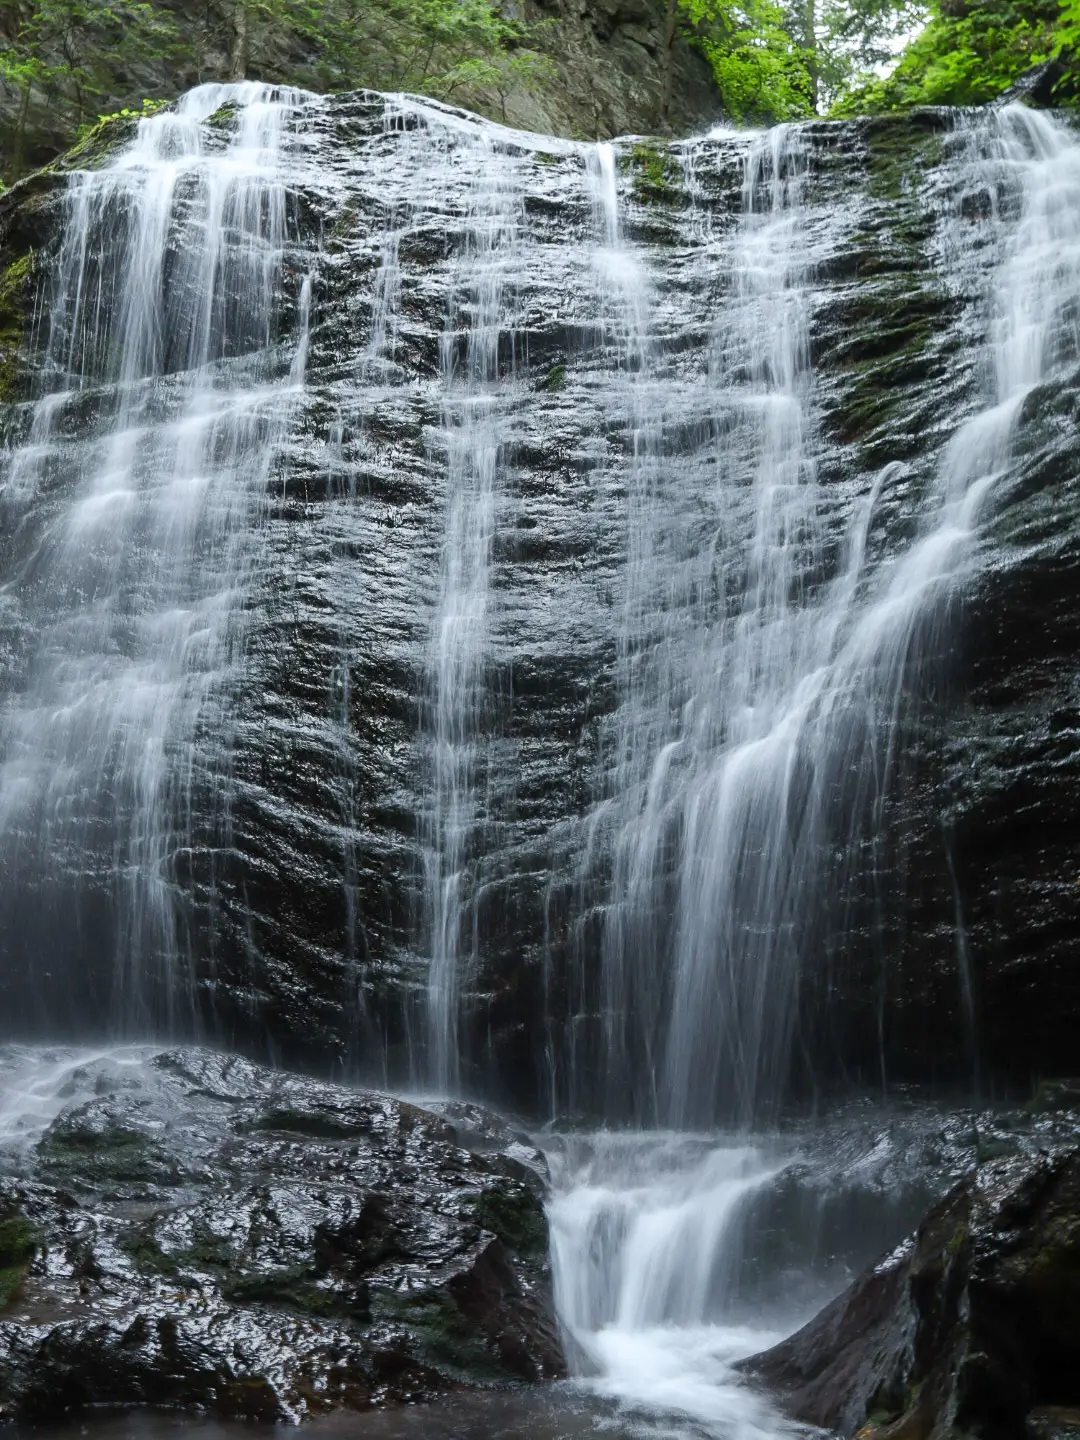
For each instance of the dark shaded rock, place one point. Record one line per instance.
(1041, 85)
(206, 1233)
(971, 1327)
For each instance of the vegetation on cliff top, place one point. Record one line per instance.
(64, 62)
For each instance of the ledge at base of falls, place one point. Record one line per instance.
(970, 1328)
(204, 1233)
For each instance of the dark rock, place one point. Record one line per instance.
(206, 1233)
(1039, 86)
(971, 1327)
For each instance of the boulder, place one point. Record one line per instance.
(970, 1328)
(206, 1233)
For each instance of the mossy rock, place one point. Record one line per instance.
(444, 1339)
(18, 1244)
(307, 1122)
(516, 1216)
(297, 1288)
(17, 286)
(655, 176)
(554, 380)
(99, 144)
(112, 1155)
(142, 1249)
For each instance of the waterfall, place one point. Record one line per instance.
(751, 737)
(602, 430)
(471, 446)
(765, 686)
(175, 350)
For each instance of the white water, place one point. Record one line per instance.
(762, 685)
(172, 355)
(480, 322)
(765, 690)
(642, 1232)
(752, 740)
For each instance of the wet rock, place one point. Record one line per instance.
(297, 868)
(971, 1327)
(205, 1233)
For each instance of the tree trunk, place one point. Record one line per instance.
(669, 57)
(238, 49)
(810, 45)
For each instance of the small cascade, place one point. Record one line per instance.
(175, 351)
(644, 1231)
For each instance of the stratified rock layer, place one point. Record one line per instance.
(971, 1328)
(206, 1233)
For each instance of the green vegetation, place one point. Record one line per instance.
(17, 1246)
(971, 50)
(779, 62)
(64, 64)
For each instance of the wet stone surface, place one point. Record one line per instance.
(202, 1232)
(969, 1327)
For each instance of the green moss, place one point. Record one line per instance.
(443, 1337)
(207, 1252)
(18, 1242)
(516, 1216)
(144, 1252)
(224, 117)
(99, 143)
(898, 149)
(655, 176)
(114, 1155)
(16, 293)
(555, 379)
(295, 1288)
(955, 1242)
(306, 1122)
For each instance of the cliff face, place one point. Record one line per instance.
(612, 68)
(471, 294)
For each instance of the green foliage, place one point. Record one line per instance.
(59, 58)
(18, 1243)
(763, 69)
(969, 51)
(66, 63)
(437, 47)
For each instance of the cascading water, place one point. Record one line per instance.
(649, 409)
(473, 443)
(176, 348)
(752, 736)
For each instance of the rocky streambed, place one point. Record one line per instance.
(186, 1231)
(194, 1231)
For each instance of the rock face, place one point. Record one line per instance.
(301, 863)
(970, 1328)
(205, 1233)
(614, 70)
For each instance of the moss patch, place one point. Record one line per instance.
(655, 177)
(443, 1337)
(18, 1242)
(295, 1288)
(113, 1155)
(144, 1252)
(16, 297)
(307, 1122)
(516, 1216)
(555, 379)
